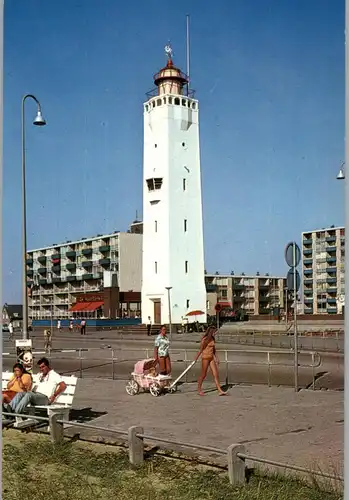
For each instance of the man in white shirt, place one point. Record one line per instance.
(47, 386)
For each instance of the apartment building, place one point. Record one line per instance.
(91, 277)
(254, 295)
(323, 254)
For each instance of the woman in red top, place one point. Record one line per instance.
(209, 359)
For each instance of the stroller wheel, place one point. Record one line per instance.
(132, 388)
(155, 389)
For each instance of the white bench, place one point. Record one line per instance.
(61, 407)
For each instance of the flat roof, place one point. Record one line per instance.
(244, 276)
(332, 228)
(82, 240)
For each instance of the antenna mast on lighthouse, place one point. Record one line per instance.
(188, 54)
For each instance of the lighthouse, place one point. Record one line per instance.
(173, 281)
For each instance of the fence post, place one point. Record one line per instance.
(56, 429)
(269, 369)
(112, 364)
(135, 445)
(226, 368)
(80, 363)
(236, 465)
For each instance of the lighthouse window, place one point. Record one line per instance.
(183, 144)
(177, 101)
(154, 183)
(153, 104)
(156, 226)
(185, 225)
(159, 102)
(164, 100)
(193, 105)
(170, 100)
(188, 303)
(184, 102)
(156, 267)
(186, 267)
(184, 184)
(155, 145)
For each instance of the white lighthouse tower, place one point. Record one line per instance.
(173, 249)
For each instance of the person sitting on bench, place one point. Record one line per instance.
(48, 385)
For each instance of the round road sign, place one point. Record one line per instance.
(290, 279)
(292, 254)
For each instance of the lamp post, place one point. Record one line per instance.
(169, 288)
(39, 121)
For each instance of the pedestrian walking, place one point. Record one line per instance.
(10, 330)
(47, 340)
(209, 359)
(71, 326)
(149, 326)
(83, 327)
(59, 325)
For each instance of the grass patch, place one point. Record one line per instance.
(33, 469)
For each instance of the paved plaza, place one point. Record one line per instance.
(304, 429)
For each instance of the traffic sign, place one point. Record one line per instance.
(292, 254)
(290, 279)
(218, 307)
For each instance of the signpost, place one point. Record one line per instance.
(218, 309)
(293, 257)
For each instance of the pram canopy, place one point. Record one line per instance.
(143, 366)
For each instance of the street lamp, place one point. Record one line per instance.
(39, 121)
(169, 288)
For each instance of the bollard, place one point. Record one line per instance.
(236, 465)
(56, 429)
(135, 445)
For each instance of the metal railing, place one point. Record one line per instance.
(186, 356)
(236, 453)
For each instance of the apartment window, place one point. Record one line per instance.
(185, 225)
(184, 184)
(156, 226)
(186, 266)
(188, 303)
(156, 267)
(183, 144)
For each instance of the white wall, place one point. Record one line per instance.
(130, 262)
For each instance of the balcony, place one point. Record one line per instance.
(308, 300)
(307, 251)
(30, 272)
(56, 280)
(308, 292)
(42, 270)
(332, 289)
(71, 254)
(211, 288)
(308, 281)
(330, 239)
(332, 301)
(307, 241)
(97, 275)
(42, 259)
(264, 311)
(30, 261)
(71, 278)
(86, 263)
(238, 286)
(308, 272)
(56, 256)
(104, 248)
(331, 249)
(331, 280)
(56, 269)
(331, 260)
(264, 298)
(70, 266)
(332, 310)
(42, 281)
(88, 276)
(236, 298)
(87, 251)
(332, 269)
(308, 310)
(307, 261)
(104, 262)
(264, 286)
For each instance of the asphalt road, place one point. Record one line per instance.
(246, 364)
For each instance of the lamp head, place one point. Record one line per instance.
(39, 120)
(341, 175)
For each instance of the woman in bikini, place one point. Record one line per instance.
(209, 359)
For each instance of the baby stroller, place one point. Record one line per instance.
(144, 376)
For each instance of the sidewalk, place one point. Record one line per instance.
(303, 429)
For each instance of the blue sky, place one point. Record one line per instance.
(270, 79)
